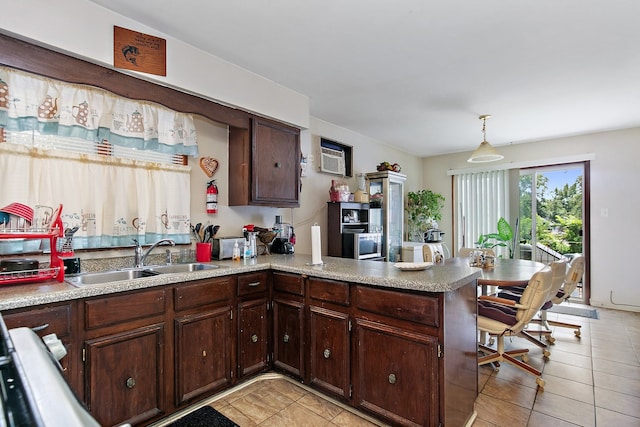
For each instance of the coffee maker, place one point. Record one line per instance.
(285, 238)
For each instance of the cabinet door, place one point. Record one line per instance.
(397, 374)
(203, 353)
(288, 328)
(276, 164)
(52, 320)
(124, 374)
(253, 343)
(329, 358)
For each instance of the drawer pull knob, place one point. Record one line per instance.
(285, 338)
(326, 353)
(278, 164)
(254, 338)
(131, 383)
(253, 284)
(204, 353)
(392, 378)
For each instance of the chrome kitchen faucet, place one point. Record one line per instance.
(140, 257)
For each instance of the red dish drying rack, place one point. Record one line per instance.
(56, 266)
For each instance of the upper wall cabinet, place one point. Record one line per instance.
(264, 165)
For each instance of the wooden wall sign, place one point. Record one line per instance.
(140, 52)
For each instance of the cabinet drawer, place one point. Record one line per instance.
(289, 283)
(196, 294)
(412, 307)
(57, 319)
(252, 283)
(329, 291)
(112, 310)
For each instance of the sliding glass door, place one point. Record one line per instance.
(552, 207)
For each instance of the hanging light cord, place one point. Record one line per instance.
(484, 126)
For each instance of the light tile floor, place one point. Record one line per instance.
(591, 381)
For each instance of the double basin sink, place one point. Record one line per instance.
(130, 274)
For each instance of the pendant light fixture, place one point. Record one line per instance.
(485, 151)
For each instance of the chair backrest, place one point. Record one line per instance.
(464, 252)
(534, 296)
(434, 252)
(558, 274)
(571, 279)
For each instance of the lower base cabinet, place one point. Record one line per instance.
(125, 376)
(329, 359)
(288, 332)
(409, 359)
(396, 374)
(253, 337)
(203, 359)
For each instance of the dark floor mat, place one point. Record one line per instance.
(204, 417)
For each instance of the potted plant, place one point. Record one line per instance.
(503, 238)
(423, 212)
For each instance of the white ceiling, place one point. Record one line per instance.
(417, 73)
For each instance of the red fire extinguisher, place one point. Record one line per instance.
(212, 197)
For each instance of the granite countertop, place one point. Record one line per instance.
(439, 278)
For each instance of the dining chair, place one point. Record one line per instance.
(558, 272)
(571, 280)
(500, 318)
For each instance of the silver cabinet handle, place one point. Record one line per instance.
(131, 383)
(40, 328)
(285, 338)
(254, 338)
(253, 284)
(326, 353)
(392, 378)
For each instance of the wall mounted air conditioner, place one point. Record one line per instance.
(332, 161)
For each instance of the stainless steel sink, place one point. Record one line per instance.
(109, 276)
(183, 268)
(130, 274)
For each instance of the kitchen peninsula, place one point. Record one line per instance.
(400, 345)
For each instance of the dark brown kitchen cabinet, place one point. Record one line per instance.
(52, 319)
(397, 374)
(203, 359)
(125, 357)
(253, 323)
(329, 359)
(329, 335)
(125, 376)
(203, 337)
(264, 165)
(253, 344)
(288, 323)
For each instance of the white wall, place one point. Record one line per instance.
(84, 29)
(367, 153)
(614, 178)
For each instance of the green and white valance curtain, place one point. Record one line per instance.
(52, 107)
(111, 200)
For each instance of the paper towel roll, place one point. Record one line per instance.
(316, 247)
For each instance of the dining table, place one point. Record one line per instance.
(505, 272)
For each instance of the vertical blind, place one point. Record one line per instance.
(481, 198)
